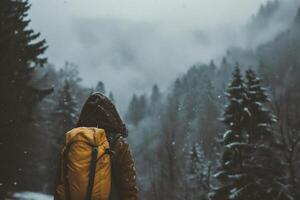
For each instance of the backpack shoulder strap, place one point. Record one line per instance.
(112, 138)
(92, 173)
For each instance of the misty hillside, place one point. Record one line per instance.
(274, 56)
(226, 129)
(187, 116)
(271, 19)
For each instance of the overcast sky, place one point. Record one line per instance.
(169, 12)
(133, 44)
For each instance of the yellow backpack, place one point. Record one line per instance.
(85, 171)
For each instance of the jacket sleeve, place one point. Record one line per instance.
(125, 170)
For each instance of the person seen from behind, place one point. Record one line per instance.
(96, 162)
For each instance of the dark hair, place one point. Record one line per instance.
(99, 111)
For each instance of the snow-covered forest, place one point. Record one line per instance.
(228, 129)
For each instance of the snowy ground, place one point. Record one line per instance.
(30, 196)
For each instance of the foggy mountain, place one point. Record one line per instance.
(182, 118)
(147, 53)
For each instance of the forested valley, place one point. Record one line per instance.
(228, 129)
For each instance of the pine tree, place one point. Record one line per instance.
(111, 97)
(250, 168)
(64, 118)
(208, 125)
(155, 102)
(142, 106)
(133, 115)
(64, 114)
(137, 109)
(170, 124)
(20, 52)
(212, 65)
(100, 87)
(198, 174)
(66, 109)
(233, 118)
(263, 167)
(155, 95)
(258, 118)
(287, 106)
(225, 73)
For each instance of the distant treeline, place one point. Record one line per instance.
(202, 139)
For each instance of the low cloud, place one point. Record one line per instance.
(130, 56)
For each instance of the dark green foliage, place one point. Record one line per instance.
(278, 63)
(155, 95)
(63, 115)
(100, 87)
(233, 115)
(20, 52)
(137, 109)
(67, 109)
(287, 107)
(185, 116)
(133, 115)
(198, 174)
(189, 109)
(63, 119)
(155, 101)
(51, 118)
(259, 119)
(225, 72)
(142, 106)
(208, 126)
(251, 169)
